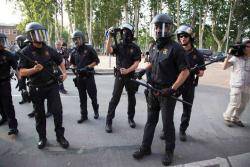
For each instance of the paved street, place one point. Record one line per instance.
(210, 142)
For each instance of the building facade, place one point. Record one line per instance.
(10, 31)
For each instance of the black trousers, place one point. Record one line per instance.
(51, 93)
(87, 85)
(6, 104)
(131, 89)
(187, 95)
(167, 106)
(22, 83)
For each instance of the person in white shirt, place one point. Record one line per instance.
(239, 84)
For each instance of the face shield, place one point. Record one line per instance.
(4, 42)
(127, 35)
(77, 41)
(160, 30)
(38, 35)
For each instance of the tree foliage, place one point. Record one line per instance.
(209, 18)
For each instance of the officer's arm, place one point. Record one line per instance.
(24, 72)
(181, 79)
(133, 67)
(92, 65)
(109, 49)
(63, 69)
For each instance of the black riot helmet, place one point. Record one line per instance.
(127, 32)
(185, 30)
(3, 40)
(78, 38)
(20, 40)
(161, 26)
(36, 32)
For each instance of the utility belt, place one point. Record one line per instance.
(46, 84)
(85, 75)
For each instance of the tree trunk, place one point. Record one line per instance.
(86, 6)
(239, 31)
(202, 22)
(178, 13)
(61, 6)
(125, 7)
(56, 23)
(90, 22)
(136, 12)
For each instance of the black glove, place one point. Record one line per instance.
(139, 74)
(195, 70)
(167, 92)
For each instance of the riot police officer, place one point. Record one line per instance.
(128, 56)
(37, 60)
(22, 81)
(185, 36)
(7, 111)
(169, 70)
(84, 58)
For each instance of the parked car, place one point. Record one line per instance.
(207, 54)
(218, 56)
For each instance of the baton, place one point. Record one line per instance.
(158, 90)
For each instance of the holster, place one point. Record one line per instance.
(117, 72)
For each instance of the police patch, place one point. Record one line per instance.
(46, 53)
(194, 56)
(165, 51)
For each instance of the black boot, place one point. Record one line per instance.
(183, 136)
(83, 118)
(63, 142)
(108, 127)
(96, 111)
(96, 116)
(3, 120)
(167, 158)
(42, 143)
(143, 151)
(131, 123)
(13, 132)
(32, 114)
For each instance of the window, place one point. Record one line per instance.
(14, 31)
(7, 31)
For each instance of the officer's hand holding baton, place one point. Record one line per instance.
(167, 92)
(38, 67)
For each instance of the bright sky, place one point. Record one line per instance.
(9, 15)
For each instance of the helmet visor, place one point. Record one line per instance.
(4, 42)
(160, 30)
(38, 36)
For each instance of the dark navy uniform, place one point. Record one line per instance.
(44, 86)
(166, 66)
(126, 54)
(7, 111)
(194, 58)
(81, 57)
(22, 86)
